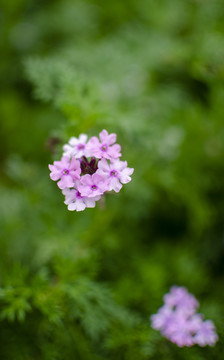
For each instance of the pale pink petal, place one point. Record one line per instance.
(115, 185)
(80, 205)
(103, 135)
(75, 164)
(73, 141)
(52, 167)
(96, 178)
(72, 206)
(124, 175)
(55, 175)
(68, 150)
(65, 161)
(61, 184)
(106, 138)
(86, 180)
(93, 141)
(114, 151)
(59, 164)
(84, 190)
(75, 174)
(68, 181)
(90, 202)
(118, 165)
(111, 139)
(103, 165)
(83, 138)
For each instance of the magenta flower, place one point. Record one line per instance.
(179, 323)
(76, 146)
(206, 334)
(66, 170)
(75, 201)
(105, 148)
(116, 172)
(92, 186)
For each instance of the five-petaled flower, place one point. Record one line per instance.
(67, 170)
(116, 172)
(105, 148)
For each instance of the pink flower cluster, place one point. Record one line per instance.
(178, 321)
(88, 168)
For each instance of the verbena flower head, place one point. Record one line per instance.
(177, 320)
(89, 168)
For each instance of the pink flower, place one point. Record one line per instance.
(206, 334)
(179, 323)
(116, 172)
(75, 201)
(76, 146)
(92, 186)
(83, 177)
(66, 170)
(105, 148)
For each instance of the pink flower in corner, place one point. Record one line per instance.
(92, 186)
(116, 172)
(65, 170)
(75, 201)
(104, 149)
(76, 146)
(178, 321)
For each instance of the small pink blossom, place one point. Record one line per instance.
(76, 146)
(116, 172)
(104, 148)
(92, 186)
(75, 201)
(65, 170)
(179, 323)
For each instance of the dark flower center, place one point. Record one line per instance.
(65, 172)
(88, 166)
(94, 187)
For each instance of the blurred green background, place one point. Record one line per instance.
(83, 285)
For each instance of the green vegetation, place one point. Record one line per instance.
(83, 285)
